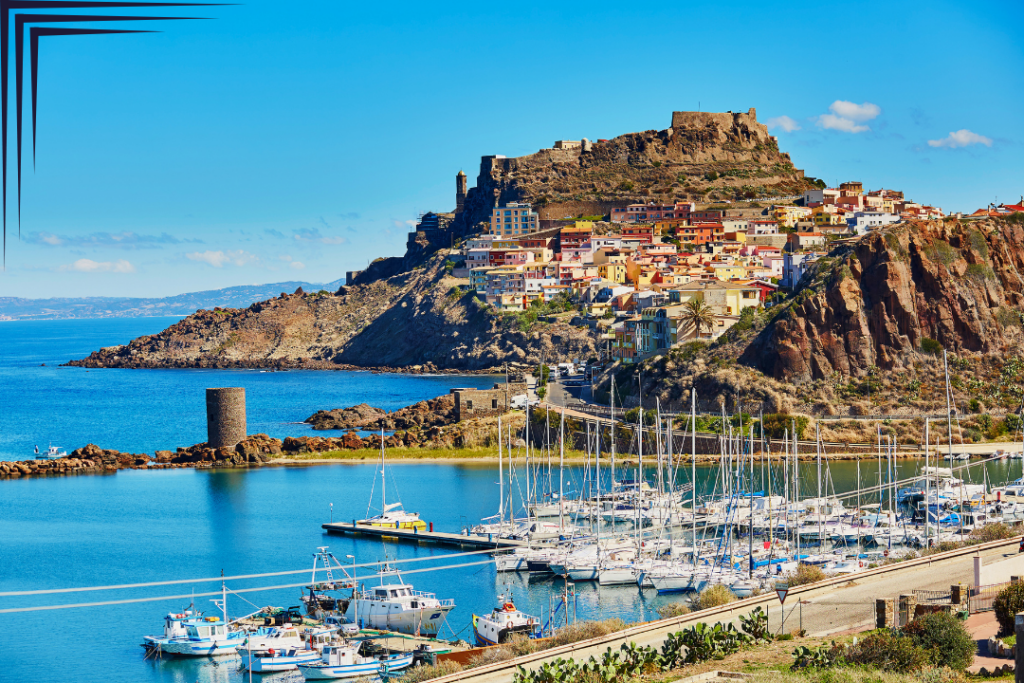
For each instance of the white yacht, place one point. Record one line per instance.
(398, 607)
(392, 515)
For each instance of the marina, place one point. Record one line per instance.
(423, 537)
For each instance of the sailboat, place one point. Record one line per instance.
(392, 515)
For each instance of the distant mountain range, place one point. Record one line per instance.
(13, 308)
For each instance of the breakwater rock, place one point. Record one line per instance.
(434, 412)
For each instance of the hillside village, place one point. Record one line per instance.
(653, 275)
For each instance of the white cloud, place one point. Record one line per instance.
(219, 259)
(961, 138)
(784, 122)
(855, 112)
(848, 117)
(85, 265)
(297, 265)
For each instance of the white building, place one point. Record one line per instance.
(794, 265)
(862, 221)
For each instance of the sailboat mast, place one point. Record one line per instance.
(927, 483)
(611, 428)
(796, 485)
(693, 468)
(817, 445)
(501, 477)
(383, 482)
(561, 471)
(529, 413)
(750, 520)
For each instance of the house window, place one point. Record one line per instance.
(494, 404)
(469, 405)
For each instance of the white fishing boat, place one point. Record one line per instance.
(504, 622)
(284, 648)
(206, 636)
(398, 607)
(174, 627)
(347, 660)
(51, 453)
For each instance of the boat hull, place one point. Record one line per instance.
(262, 663)
(326, 672)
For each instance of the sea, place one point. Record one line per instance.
(189, 527)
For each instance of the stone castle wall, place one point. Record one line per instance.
(225, 417)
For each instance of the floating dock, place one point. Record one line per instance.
(413, 536)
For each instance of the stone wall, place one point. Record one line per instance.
(473, 403)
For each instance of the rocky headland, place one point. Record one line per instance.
(419, 321)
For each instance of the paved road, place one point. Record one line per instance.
(854, 604)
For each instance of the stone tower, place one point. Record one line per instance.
(225, 417)
(460, 192)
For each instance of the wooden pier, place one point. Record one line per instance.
(413, 536)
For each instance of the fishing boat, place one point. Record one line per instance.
(504, 622)
(284, 648)
(392, 515)
(51, 453)
(398, 607)
(206, 637)
(348, 660)
(174, 627)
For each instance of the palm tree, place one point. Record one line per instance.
(698, 314)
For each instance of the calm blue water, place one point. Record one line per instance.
(140, 411)
(137, 526)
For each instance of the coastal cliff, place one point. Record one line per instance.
(419, 321)
(893, 294)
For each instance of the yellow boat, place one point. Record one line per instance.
(392, 516)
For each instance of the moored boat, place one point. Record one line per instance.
(347, 660)
(504, 622)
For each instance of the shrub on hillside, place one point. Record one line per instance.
(945, 638)
(428, 672)
(1009, 601)
(713, 596)
(776, 424)
(806, 573)
(993, 532)
(931, 346)
(673, 609)
(889, 652)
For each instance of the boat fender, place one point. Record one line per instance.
(509, 624)
(271, 651)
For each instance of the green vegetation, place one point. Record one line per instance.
(695, 645)
(698, 314)
(980, 271)
(931, 346)
(713, 596)
(978, 243)
(805, 574)
(632, 416)
(941, 252)
(776, 424)
(711, 176)
(525, 320)
(673, 609)
(1008, 602)
(944, 638)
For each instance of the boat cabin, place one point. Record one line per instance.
(209, 628)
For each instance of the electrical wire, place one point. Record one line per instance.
(188, 596)
(234, 578)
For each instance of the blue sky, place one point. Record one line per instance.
(297, 140)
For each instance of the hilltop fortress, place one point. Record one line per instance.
(701, 157)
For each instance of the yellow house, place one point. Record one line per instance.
(616, 272)
(724, 298)
(788, 216)
(736, 236)
(726, 271)
(826, 214)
